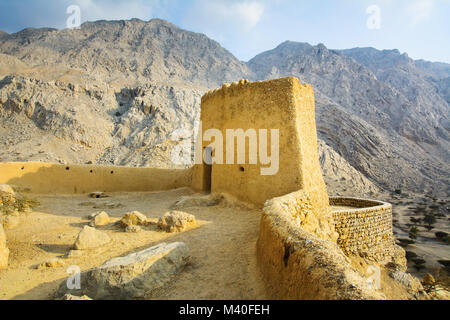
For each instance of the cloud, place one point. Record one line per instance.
(420, 10)
(225, 14)
(248, 12)
(115, 9)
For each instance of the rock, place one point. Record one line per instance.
(4, 251)
(133, 229)
(98, 195)
(72, 297)
(52, 263)
(74, 254)
(100, 219)
(133, 276)
(7, 189)
(197, 201)
(133, 218)
(175, 221)
(10, 222)
(89, 238)
(428, 280)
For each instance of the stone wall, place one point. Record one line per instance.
(365, 229)
(4, 251)
(297, 264)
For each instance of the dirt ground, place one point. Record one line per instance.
(222, 246)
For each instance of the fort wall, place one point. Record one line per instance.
(365, 228)
(39, 177)
(296, 264)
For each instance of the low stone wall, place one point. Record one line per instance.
(40, 177)
(297, 264)
(366, 229)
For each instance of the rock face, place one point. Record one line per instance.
(369, 111)
(134, 218)
(89, 238)
(132, 276)
(4, 251)
(175, 221)
(100, 219)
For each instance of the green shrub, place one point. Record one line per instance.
(410, 255)
(413, 232)
(441, 235)
(418, 261)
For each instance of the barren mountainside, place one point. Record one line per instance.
(113, 92)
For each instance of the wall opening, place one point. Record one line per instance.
(207, 169)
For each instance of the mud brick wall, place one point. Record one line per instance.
(365, 230)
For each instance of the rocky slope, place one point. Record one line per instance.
(114, 92)
(129, 51)
(390, 125)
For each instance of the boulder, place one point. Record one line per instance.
(175, 221)
(134, 218)
(133, 276)
(89, 238)
(4, 251)
(100, 219)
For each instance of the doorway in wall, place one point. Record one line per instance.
(207, 169)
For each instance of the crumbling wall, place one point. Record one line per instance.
(365, 229)
(39, 177)
(297, 264)
(4, 251)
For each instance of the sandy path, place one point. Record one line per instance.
(223, 261)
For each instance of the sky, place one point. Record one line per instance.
(246, 28)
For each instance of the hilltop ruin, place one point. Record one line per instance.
(305, 250)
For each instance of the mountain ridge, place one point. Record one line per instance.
(367, 113)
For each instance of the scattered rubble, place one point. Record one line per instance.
(52, 263)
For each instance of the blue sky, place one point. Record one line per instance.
(247, 27)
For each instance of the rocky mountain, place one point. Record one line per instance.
(114, 92)
(381, 115)
(131, 51)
